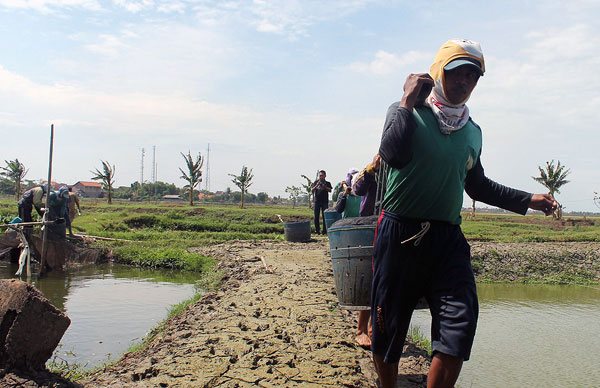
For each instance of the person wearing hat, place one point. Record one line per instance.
(432, 148)
(348, 203)
(58, 208)
(32, 198)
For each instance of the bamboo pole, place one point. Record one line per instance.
(49, 188)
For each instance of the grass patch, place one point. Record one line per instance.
(416, 336)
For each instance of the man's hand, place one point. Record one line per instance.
(376, 162)
(543, 202)
(416, 89)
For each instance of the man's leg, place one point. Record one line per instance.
(317, 210)
(363, 335)
(323, 207)
(387, 373)
(444, 370)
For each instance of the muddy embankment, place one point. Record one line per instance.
(279, 325)
(549, 262)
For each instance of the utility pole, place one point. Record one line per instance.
(154, 168)
(45, 216)
(142, 168)
(153, 164)
(207, 177)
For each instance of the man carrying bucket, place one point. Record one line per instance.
(432, 149)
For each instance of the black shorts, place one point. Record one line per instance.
(438, 267)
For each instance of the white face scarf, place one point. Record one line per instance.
(450, 118)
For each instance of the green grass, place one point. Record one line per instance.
(530, 228)
(416, 336)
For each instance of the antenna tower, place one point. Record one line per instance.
(207, 177)
(142, 168)
(154, 164)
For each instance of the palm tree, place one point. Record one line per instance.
(553, 176)
(194, 173)
(107, 176)
(307, 187)
(15, 172)
(243, 181)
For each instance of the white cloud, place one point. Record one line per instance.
(50, 6)
(109, 46)
(386, 63)
(135, 5)
(172, 7)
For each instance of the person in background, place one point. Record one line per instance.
(348, 204)
(365, 185)
(432, 149)
(31, 198)
(71, 203)
(321, 189)
(57, 208)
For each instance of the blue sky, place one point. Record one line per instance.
(288, 87)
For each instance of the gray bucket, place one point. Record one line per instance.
(351, 248)
(297, 231)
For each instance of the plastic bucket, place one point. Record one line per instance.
(351, 249)
(331, 216)
(297, 231)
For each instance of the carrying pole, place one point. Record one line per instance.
(45, 216)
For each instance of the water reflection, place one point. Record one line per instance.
(111, 306)
(533, 335)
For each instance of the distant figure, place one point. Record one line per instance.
(31, 198)
(71, 203)
(321, 189)
(57, 208)
(365, 185)
(348, 204)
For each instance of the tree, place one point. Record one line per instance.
(294, 192)
(307, 187)
(553, 176)
(15, 172)
(193, 175)
(107, 176)
(243, 181)
(262, 197)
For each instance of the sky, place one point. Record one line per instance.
(288, 87)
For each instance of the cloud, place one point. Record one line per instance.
(387, 63)
(50, 6)
(109, 46)
(291, 18)
(135, 5)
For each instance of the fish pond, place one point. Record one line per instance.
(111, 306)
(532, 336)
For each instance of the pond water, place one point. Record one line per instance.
(111, 306)
(532, 336)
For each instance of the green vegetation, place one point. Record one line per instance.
(530, 228)
(416, 336)
(107, 176)
(193, 176)
(166, 234)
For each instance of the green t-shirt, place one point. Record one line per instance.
(431, 185)
(352, 208)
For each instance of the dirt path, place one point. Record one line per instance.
(274, 327)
